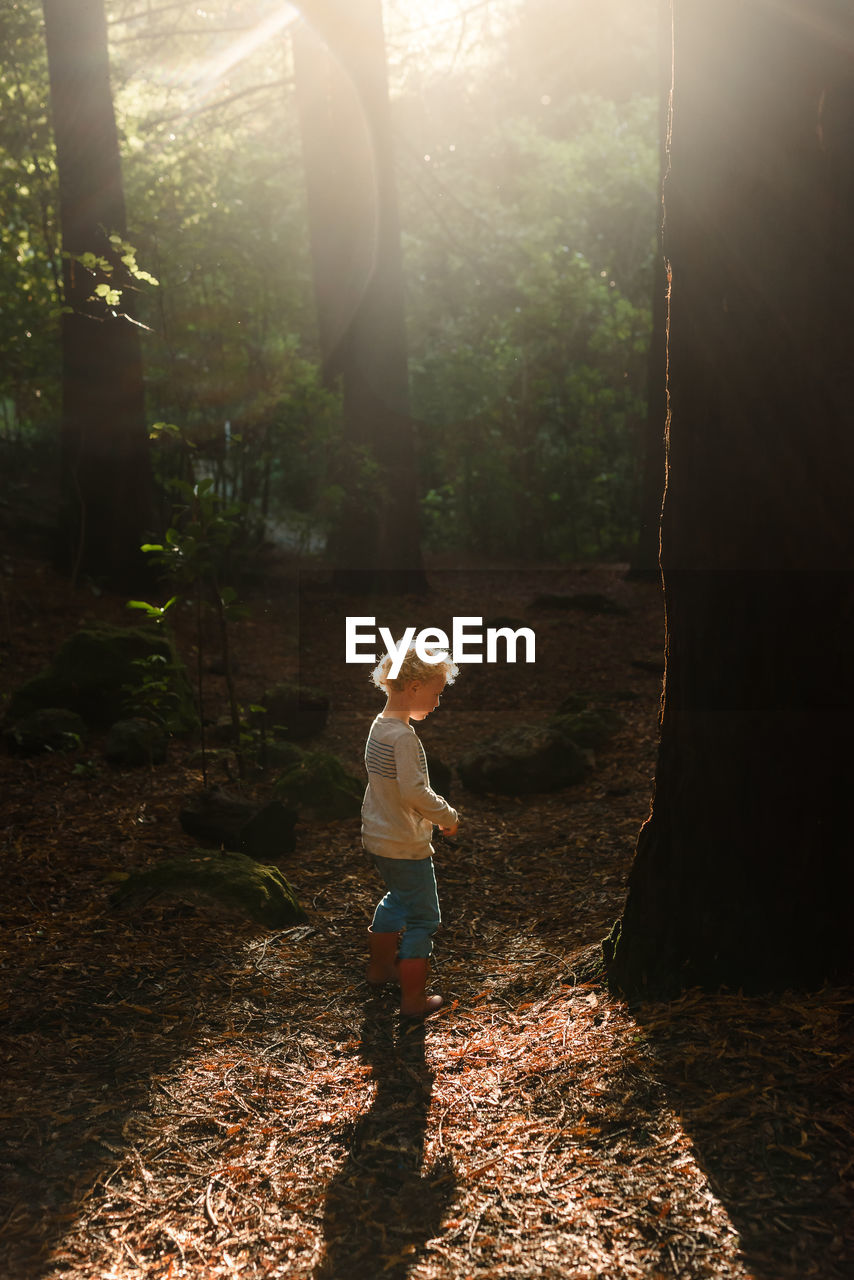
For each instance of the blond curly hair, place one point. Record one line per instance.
(414, 670)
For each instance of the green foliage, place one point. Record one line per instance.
(270, 449)
(528, 237)
(199, 552)
(155, 612)
(30, 265)
(111, 276)
(203, 546)
(217, 206)
(528, 183)
(153, 696)
(530, 334)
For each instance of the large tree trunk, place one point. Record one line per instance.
(342, 92)
(105, 460)
(743, 870)
(645, 559)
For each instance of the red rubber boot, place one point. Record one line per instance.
(383, 949)
(414, 1003)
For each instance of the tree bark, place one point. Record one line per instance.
(743, 870)
(106, 476)
(645, 561)
(342, 94)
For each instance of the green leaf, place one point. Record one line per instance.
(112, 297)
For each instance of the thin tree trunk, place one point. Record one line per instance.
(105, 461)
(342, 92)
(743, 870)
(228, 672)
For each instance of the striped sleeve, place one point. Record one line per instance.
(379, 759)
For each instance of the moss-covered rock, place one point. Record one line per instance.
(524, 760)
(590, 728)
(233, 880)
(94, 669)
(48, 729)
(222, 820)
(292, 711)
(134, 742)
(318, 781)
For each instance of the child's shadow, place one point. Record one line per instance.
(381, 1208)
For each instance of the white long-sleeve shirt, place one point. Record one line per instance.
(400, 807)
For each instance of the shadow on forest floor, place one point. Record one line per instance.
(760, 1084)
(91, 1029)
(381, 1207)
(187, 1098)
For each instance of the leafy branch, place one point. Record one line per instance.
(197, 554)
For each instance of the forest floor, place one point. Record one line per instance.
(187, 1095)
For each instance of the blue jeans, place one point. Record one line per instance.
(411, 903)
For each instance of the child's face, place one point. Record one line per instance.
(425, 697)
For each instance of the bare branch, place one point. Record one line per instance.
(150, 125)
(168, 35)
(451, 17)
(142, 14)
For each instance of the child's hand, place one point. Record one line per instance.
(449, 831)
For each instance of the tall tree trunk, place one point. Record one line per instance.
(342, 92)
(743, 870)
(645, 559)
(105, 460)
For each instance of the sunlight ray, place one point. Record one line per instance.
(206, 77)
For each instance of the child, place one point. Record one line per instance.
(398, 813)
